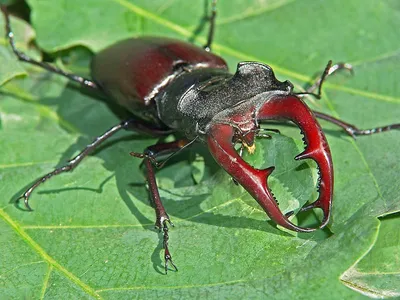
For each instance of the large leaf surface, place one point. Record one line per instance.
(91, 234)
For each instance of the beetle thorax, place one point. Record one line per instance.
(197, 100)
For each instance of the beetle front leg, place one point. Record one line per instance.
(329, 70)
(352, 130)
(150, 156)
(162, 217)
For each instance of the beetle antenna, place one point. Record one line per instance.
(328, 71)
(25, 58)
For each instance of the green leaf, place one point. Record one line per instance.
(91, 234)
(377, 274)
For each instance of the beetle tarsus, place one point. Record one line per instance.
(167, 255)
(355, 131)
(352, 130)
(25, 196)
(38, 182)
(161, 224)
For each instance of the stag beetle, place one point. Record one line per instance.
(173, 86)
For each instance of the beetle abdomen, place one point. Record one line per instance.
(133, 71)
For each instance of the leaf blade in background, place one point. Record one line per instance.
(97, 224)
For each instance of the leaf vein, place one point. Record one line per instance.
(46, 282)
(35, 246)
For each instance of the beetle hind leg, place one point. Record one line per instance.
(25, 58)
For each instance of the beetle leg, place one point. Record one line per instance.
(329, 70)
(162, 217)
(167, 255)
(211, 30)
(353, 130)
(25, 58)
(255, 181)
(150, 156)
(130, 124)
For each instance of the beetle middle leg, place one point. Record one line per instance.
(353, 130)
(151, 156)
(131, 124)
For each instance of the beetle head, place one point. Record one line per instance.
(263, 97)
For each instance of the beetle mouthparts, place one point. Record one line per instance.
(255, 180)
